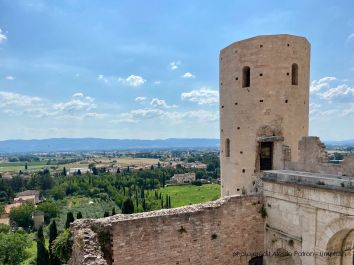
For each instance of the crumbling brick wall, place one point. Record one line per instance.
(211, 233)
(314, 158)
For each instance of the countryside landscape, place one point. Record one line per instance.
(94, 184)
(176, 132)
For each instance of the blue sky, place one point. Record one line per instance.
(149, 69)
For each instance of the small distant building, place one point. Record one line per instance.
(38, 219)
(183, 178)
(28, 195)
(196, 165)
(74, 170)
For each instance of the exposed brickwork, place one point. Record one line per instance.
(314, 158)
(198, 234)
(269, 109)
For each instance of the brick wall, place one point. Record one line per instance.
(199, 234)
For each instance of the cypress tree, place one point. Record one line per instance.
(163, 181)
(79, 215)
(42, 252)
(142, 193)
(144, 205)
(127, 206)
(69, 219)
(114, 211)
(53, 233)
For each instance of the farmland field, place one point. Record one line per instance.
(124, 161)
(190, 194)
(17, 166)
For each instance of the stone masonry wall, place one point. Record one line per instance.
(314, 158)
(205, 234)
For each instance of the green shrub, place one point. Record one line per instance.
(197, 182)
(62, 246)
(22, 215)
(4, 228)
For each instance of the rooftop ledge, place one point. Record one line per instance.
(315, 180)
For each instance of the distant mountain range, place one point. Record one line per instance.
(340, 143)
(98, 144)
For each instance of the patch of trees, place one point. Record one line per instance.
(24, 158)
(13, 246)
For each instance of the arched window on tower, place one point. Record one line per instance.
(246, 76)
(227, 147)
(294, 74)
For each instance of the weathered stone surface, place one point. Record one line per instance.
(271, 106)
(314, 158)
(199, 234)
(86, 248)
(309, 213)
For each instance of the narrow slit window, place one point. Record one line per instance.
(246, 74)
(294, 74)
(227, 147)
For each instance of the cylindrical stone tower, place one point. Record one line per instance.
(264, 107)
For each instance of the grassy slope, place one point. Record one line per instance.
(190, 194)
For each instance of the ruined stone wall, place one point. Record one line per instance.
(305, 218)
(270, 106)
(314, 158)
(199, 234)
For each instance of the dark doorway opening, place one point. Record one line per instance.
(266, 156)
(256, 261)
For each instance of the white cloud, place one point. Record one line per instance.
(325, 90)
(132, 80)
(3, 37)
(138, 115)
(341, 92)
(350, 36)
(78, 95)
(77, 107)
(10, 99)
(95, 115)
(140, 99)
(157, 82)
(174, 65)
(188, 75)
(321, 84)
(202, 96)
(102, 78)
(160, 103)
(77, 102)
(9, 77)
